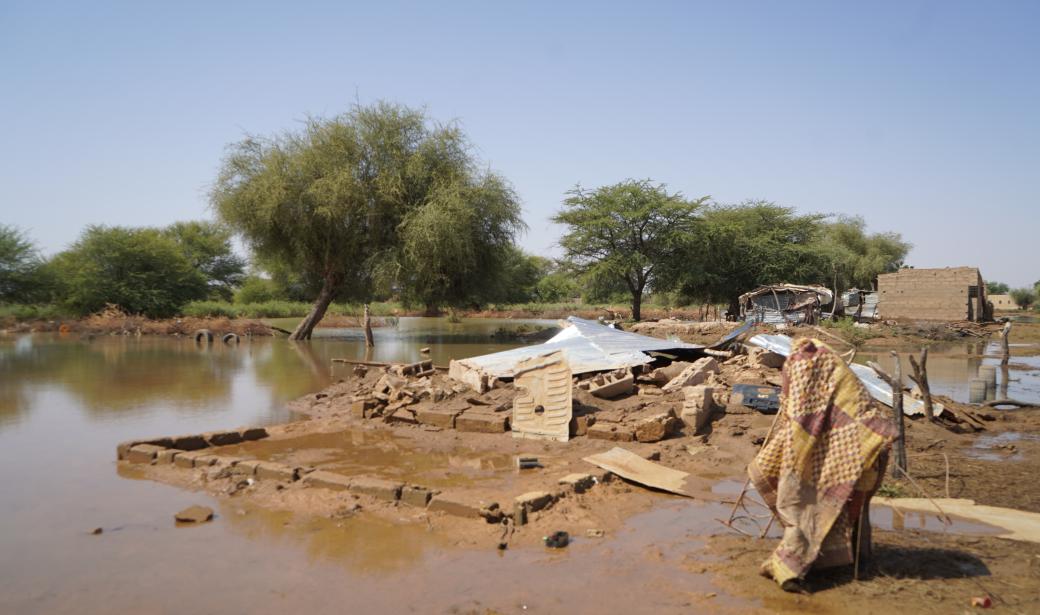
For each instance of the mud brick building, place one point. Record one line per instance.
(950, 294)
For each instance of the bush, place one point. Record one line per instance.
(20, 312)
(255, 289)
(210, 309)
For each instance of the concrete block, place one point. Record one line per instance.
(578, 482)
(254, 433)
(245, 467)
(223, 438)
(438, 417)
(482, 422)
(143, 453)
(698, 406)
(525, 504)
(326, 480)
(760, 357)
(657, 428)
(376, 487)
(455, 505)
(614, 384)
(663, 375)
(205, 461)
(275, 471)
(580, 424)
(362, 408)
(190, 443)
(186, 459)
(414, 495)
(611, 431)
(693, 375)
(166, 456)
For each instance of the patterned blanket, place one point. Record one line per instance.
(823, 461)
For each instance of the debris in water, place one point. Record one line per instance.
(983, 602)
(96, 531)
(595, 533)
(526, 463)
(557, 540)
(194, 514)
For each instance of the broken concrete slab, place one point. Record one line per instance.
(143, 453)
(611, 431)
(326, 480)
(698, 406)
(194, 514)
(760, 357)
(693, 375)
(376, 487)
(482, 422)
(663, 375)
(534, 501)
(543, 408)
(438, 417)
(362, 408)
(657, 427)
(473, 377)
(578, 482)
(456, 505)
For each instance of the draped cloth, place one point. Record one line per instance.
(822, 463)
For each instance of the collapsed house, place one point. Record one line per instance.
(950, 294)
(777, 304)
(860, 305)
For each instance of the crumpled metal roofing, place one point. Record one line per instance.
(589, 346)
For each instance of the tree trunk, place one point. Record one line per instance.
(369, 342)
(306, 327)
(637, 304)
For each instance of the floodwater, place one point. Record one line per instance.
(66, 401)
(951, 366)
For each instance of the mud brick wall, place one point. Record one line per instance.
(930, 294)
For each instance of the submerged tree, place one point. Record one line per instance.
(376, 196)
(628, 232)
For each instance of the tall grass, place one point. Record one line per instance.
(20, 312)
(281, 309)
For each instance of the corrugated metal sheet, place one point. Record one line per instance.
(589, 347)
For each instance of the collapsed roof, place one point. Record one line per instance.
(589, 346)
(781, 303)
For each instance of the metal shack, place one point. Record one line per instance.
(950, 294)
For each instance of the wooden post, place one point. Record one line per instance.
(896, 382)
(921, 378)
(369, 342)
(1004, 343)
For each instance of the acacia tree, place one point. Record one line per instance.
(20, 264)
(626, 232)
(357, 200)
(207, 246)
(1023, 297)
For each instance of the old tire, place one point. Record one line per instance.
(230, 338)
(203, 335)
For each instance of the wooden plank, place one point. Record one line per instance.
(1019, 524)
(630, 466)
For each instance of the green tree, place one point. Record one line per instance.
(1023, 297)
(357, 202)
(740, 247)
(628, 232)
(255, 289)
(142, 270)
(207, 245)
(997, 288)
(20, 267)
(855, 258)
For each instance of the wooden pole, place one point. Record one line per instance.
(1004, 343)
(369, 341)
(921, 377)
(896, 382)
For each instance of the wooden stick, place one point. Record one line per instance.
(1004, 343)
(921, 378)
(896, 382)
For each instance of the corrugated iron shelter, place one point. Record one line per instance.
(784, 303)
(950, 294)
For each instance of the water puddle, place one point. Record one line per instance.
(999, 447)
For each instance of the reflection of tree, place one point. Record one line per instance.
(279, 367)
(113, 374)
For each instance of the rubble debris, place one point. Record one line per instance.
(194, 514)
(663, 375)
(595, 533)
(698, 406)
(524, 505)
(760, 357)
(611, 431)
(696, 373)
(610, 384)
(482, 422)
(657, 427)
(527, 463)
(578, 482)
(543, 408)
(630, 466)
(557, 540)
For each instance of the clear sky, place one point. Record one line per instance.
(923, 117)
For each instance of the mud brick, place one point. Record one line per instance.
(580, 424)
(482, 422)
(578, 482)
(254, 433)
(219, 461)
(143, 453)
(186, 459)
(223, 438)
(166, 456)
(534, 500)
(326, 480)
(609, 431)
(414, 495)
(657, 428)
(275, 471)
(376, 487)
(455, 505)
(362, 408)
(205, 461)
(190, 443)
(439, 417)
(245, 467)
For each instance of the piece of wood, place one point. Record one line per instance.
(369, 341)
(1006, 350)
(630, 466)
(896, 382)
(921, 378)
(1018, 524)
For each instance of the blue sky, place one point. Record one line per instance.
(923, 117)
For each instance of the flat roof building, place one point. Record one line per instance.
(949, 294)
